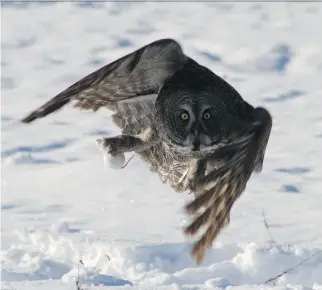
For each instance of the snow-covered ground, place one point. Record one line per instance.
(60, 204)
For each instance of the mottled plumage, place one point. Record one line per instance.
(190, 126)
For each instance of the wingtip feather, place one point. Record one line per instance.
(28, 119)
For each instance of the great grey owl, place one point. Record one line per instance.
(188, 124)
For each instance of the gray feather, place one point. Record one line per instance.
(140, 73)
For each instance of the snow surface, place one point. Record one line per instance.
(60, 204)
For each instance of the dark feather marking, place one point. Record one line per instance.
(136, 59)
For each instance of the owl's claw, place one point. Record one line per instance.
(195, 187)
(104, 149)
(107, 147)
(115, 161)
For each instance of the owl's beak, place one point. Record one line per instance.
(196, 146)
(196, 139)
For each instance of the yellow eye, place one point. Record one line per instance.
(185, 116)
(206, 116)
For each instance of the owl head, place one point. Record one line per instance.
(196, 110)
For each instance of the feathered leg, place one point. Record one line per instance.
(197, 169)
(126, 143)
(196, 173)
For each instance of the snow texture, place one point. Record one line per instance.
(61, 205)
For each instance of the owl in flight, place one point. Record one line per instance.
(189, 125)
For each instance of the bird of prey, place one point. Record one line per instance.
(185, 122)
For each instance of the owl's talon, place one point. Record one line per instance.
(114, 160)
(195, 187)
(107, 147)
(191, 185)
(104, 149)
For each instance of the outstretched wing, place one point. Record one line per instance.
(223, 185)
(128, 86)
